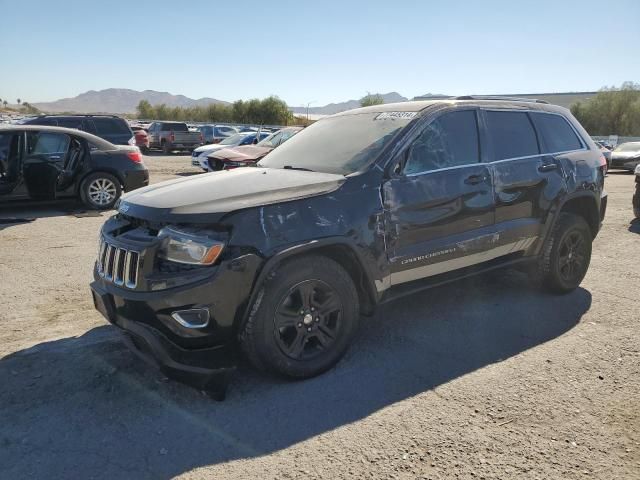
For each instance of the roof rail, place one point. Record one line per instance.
(497, 97)
(77, 115)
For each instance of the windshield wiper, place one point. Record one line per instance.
(291, 167)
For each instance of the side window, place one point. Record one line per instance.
(556, 133)
(9, 154)
(110, 126)
(273, 141)
(70, 123)
(451, 140)
(47, 144)
(511, 134)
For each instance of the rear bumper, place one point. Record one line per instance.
(135, 179)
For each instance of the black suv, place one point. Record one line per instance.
(280, 260)
(113, 129)
(48, 163)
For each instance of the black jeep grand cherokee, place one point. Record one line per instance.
(280, 260)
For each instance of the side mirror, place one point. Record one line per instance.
(255, 141)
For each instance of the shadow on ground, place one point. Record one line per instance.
(19, 213)
(86, 408)
(634, 227)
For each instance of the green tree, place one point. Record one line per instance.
(19, 102)
(5, 103)
(371, 99)
(613, 111)
(145, 110)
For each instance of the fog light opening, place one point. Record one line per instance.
(192, 318)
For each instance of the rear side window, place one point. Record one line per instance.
(111, 126)
(70, 123)
(174, 127)
(556, 133)
(511, 134)
(451, 140)
(47, 143)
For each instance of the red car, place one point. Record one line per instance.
(142, 138)
(248, 155)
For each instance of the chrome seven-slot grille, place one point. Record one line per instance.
(118, 265)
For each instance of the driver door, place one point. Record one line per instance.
(44, 163)
(439, 203)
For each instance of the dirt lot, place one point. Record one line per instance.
(481, 379)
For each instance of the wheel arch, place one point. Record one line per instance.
(338, 249)
(585, 206)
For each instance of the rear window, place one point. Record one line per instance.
(175, 127)
(556, 133)
(512, 135)
(111, 126)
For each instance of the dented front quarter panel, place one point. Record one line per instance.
(351, 217)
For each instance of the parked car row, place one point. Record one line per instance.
(200, 154)
(245, 154)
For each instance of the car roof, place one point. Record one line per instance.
(101, 143)
(419, 105)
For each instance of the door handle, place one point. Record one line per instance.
(475, 179)
(55, 157)
(547, 167)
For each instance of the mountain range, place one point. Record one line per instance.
(120, 100)
(124, 100)
(330, 109)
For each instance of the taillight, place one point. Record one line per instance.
(135, 156)
(172, 137)
(603, 163)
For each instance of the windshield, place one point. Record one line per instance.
(628, 147)
(344, 144)
(233, 139)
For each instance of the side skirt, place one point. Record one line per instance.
(416, 286)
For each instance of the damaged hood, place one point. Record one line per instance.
(243, 153)
(209, 196)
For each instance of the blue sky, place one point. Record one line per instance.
(317, 51)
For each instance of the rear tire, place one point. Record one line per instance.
(304, 319)
(165, 148)
(100, 191)
(565, 256)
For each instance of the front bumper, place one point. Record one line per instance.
(205, 367)
(625, 163)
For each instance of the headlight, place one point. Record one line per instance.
(637, 170)
(195, 247)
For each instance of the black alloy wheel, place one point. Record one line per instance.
(308, 320)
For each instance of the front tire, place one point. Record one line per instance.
(565, 256)
(100, 191)
(304, 319)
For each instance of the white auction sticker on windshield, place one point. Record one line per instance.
(402, 115)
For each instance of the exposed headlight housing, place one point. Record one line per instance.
(190, 246)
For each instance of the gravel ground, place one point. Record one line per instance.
(480, 379)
